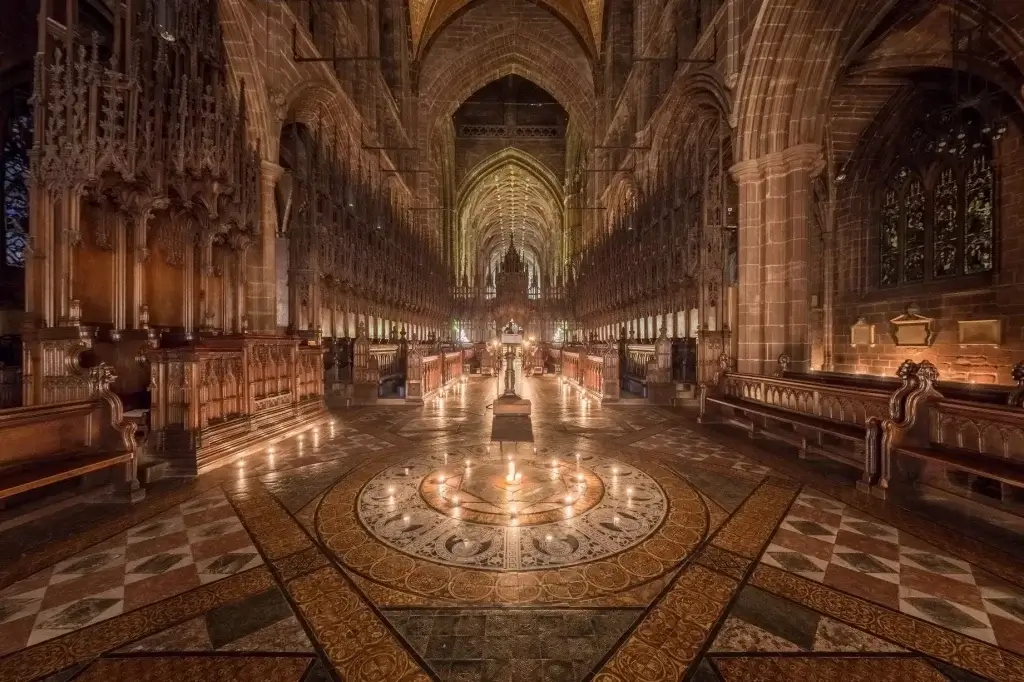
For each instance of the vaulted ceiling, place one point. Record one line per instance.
(428, 17)
(510, 193)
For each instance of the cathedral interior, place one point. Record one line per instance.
(512, 340)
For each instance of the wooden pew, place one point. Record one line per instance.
(980, 443)
(840, 422)
(46, 444)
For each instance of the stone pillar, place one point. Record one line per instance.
(774, 296)
(751, 255)
(262, 258)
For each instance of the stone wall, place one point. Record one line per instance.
(1000, 297)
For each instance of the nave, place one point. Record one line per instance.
(378, 545)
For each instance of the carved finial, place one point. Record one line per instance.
(927, 373)
(906, 370)
(1016, 398)
(103, 375)
(783, 365)
(724, 362)
(144, 316)
(74, 312)
(245, 324)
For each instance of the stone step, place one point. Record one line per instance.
(152, 470)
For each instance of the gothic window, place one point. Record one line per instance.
(936, 217)
(17, 139)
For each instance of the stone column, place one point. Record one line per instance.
(261, 289)
(773, 251)
(751, 255)
(803, 163)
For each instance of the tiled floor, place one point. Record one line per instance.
(829, 542)
(267, 569)
(196, 542)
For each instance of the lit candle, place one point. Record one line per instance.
(511, 471)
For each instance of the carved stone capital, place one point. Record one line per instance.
(270, 171)
(746, 171)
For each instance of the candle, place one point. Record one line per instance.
(511, 472)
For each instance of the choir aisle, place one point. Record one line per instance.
(389, 544)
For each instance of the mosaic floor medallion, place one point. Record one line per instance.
(512, 512)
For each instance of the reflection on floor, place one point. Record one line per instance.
(390, 545)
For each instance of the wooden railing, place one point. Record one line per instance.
(210, 395)
(389, 362)
(636, 361)
(571, 368)
(839, 422)
(452, 366)
(958, 445)
(432, 374)
(593, 374)
(597, 375)
(906, 427)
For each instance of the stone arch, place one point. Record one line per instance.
(501, 53)
(793, 60)
(315, 103)
(570, 13)
(244, 65)
(694, 98)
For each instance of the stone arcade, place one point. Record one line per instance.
(512, 340)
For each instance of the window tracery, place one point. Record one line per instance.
(936, 215)
(17, 140)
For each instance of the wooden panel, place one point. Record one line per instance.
(34, 433)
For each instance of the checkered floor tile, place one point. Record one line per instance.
(197, 542)
(826, 541)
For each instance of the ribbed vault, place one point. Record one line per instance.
(510, 195)
(428, 17)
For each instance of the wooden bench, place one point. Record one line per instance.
(840, 422)
(46, 444)
(956, 445)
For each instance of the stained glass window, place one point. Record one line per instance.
(913, 236)
(14, 161)
(944, 242)
(936, 217)
(979, 223)
(890, 246)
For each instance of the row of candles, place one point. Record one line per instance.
(458, 387)
(301, 438)
(567, 385)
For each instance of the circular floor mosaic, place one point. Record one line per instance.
(518, 512)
